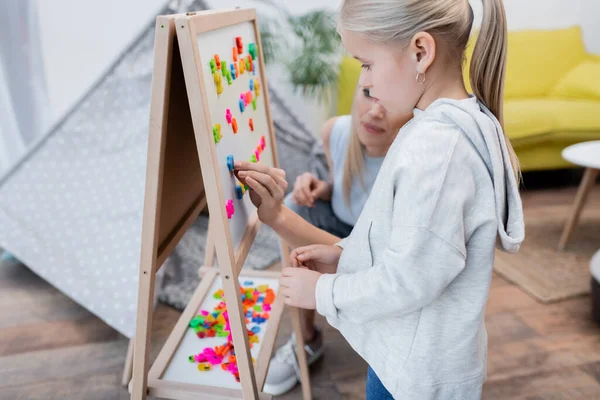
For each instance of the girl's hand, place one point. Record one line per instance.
(298, 287)
(318, 257)
(308, 188)
(267, 188)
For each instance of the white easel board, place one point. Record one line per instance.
(241, 145)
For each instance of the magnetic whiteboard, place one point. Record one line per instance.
(180, 369)
(241, 145)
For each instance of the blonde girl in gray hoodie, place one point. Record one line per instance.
(408, 287)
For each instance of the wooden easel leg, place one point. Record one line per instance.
(142, 333)
(589, 178)
(297, 327)
(209, 252)
(128, 368)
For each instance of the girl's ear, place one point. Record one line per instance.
(423, 48)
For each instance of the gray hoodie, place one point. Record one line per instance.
(414, 276)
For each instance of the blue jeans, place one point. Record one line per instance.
(375, 389)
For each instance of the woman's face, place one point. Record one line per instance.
(388, 72)
(373, 124)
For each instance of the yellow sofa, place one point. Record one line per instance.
(552, 94)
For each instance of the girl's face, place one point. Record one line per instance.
(374, 126)
(388, 72)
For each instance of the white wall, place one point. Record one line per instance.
(81, 38)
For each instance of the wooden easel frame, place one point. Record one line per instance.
(181, 163)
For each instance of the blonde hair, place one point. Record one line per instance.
(355, 160)
(354, 163)
(391, 21)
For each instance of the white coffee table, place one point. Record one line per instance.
(586, 154)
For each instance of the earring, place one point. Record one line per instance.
(420, 78)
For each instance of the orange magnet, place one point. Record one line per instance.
(251, 124)
(234, 125)
(235, 54)
(217, 61)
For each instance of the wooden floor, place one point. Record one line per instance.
(50, 348)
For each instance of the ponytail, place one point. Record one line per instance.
(488, 67)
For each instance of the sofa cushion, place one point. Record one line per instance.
(537, 60)
(582, 82)
(531, 117)
(347, 80)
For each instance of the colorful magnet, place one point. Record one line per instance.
(257, 155)
(239, 44)
(251, 84)
(233, 75)
(242, 66)
(230, 162)
(235, 53)
(254, 104)
(228, 75)
(229, 208)
(228, 115)
(242, 105)
(239, 193)
(213, 65)
(262, 142)
(217, 133)
(224, 68)
(251, 124)
(217, 61)
(252, 50)
(234, 125)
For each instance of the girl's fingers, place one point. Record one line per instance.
(267, 182)
(310, 254)
(241, 175)
(257, 167)
(281, 182)
(258, 188)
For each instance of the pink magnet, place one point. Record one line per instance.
(262, 142)
(228, 116)
(257, 154)
(208, 352)
(215, 360)
(266, 307)
(229, 208)
(200, 358)
(204, 312)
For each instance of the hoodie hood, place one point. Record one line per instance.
(485, 133)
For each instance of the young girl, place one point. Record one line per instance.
(355, 146)
(408, 288)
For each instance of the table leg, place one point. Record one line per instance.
(589, 178)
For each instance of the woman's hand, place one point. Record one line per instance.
(321, 258)
(308, 188)
(267, 187)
